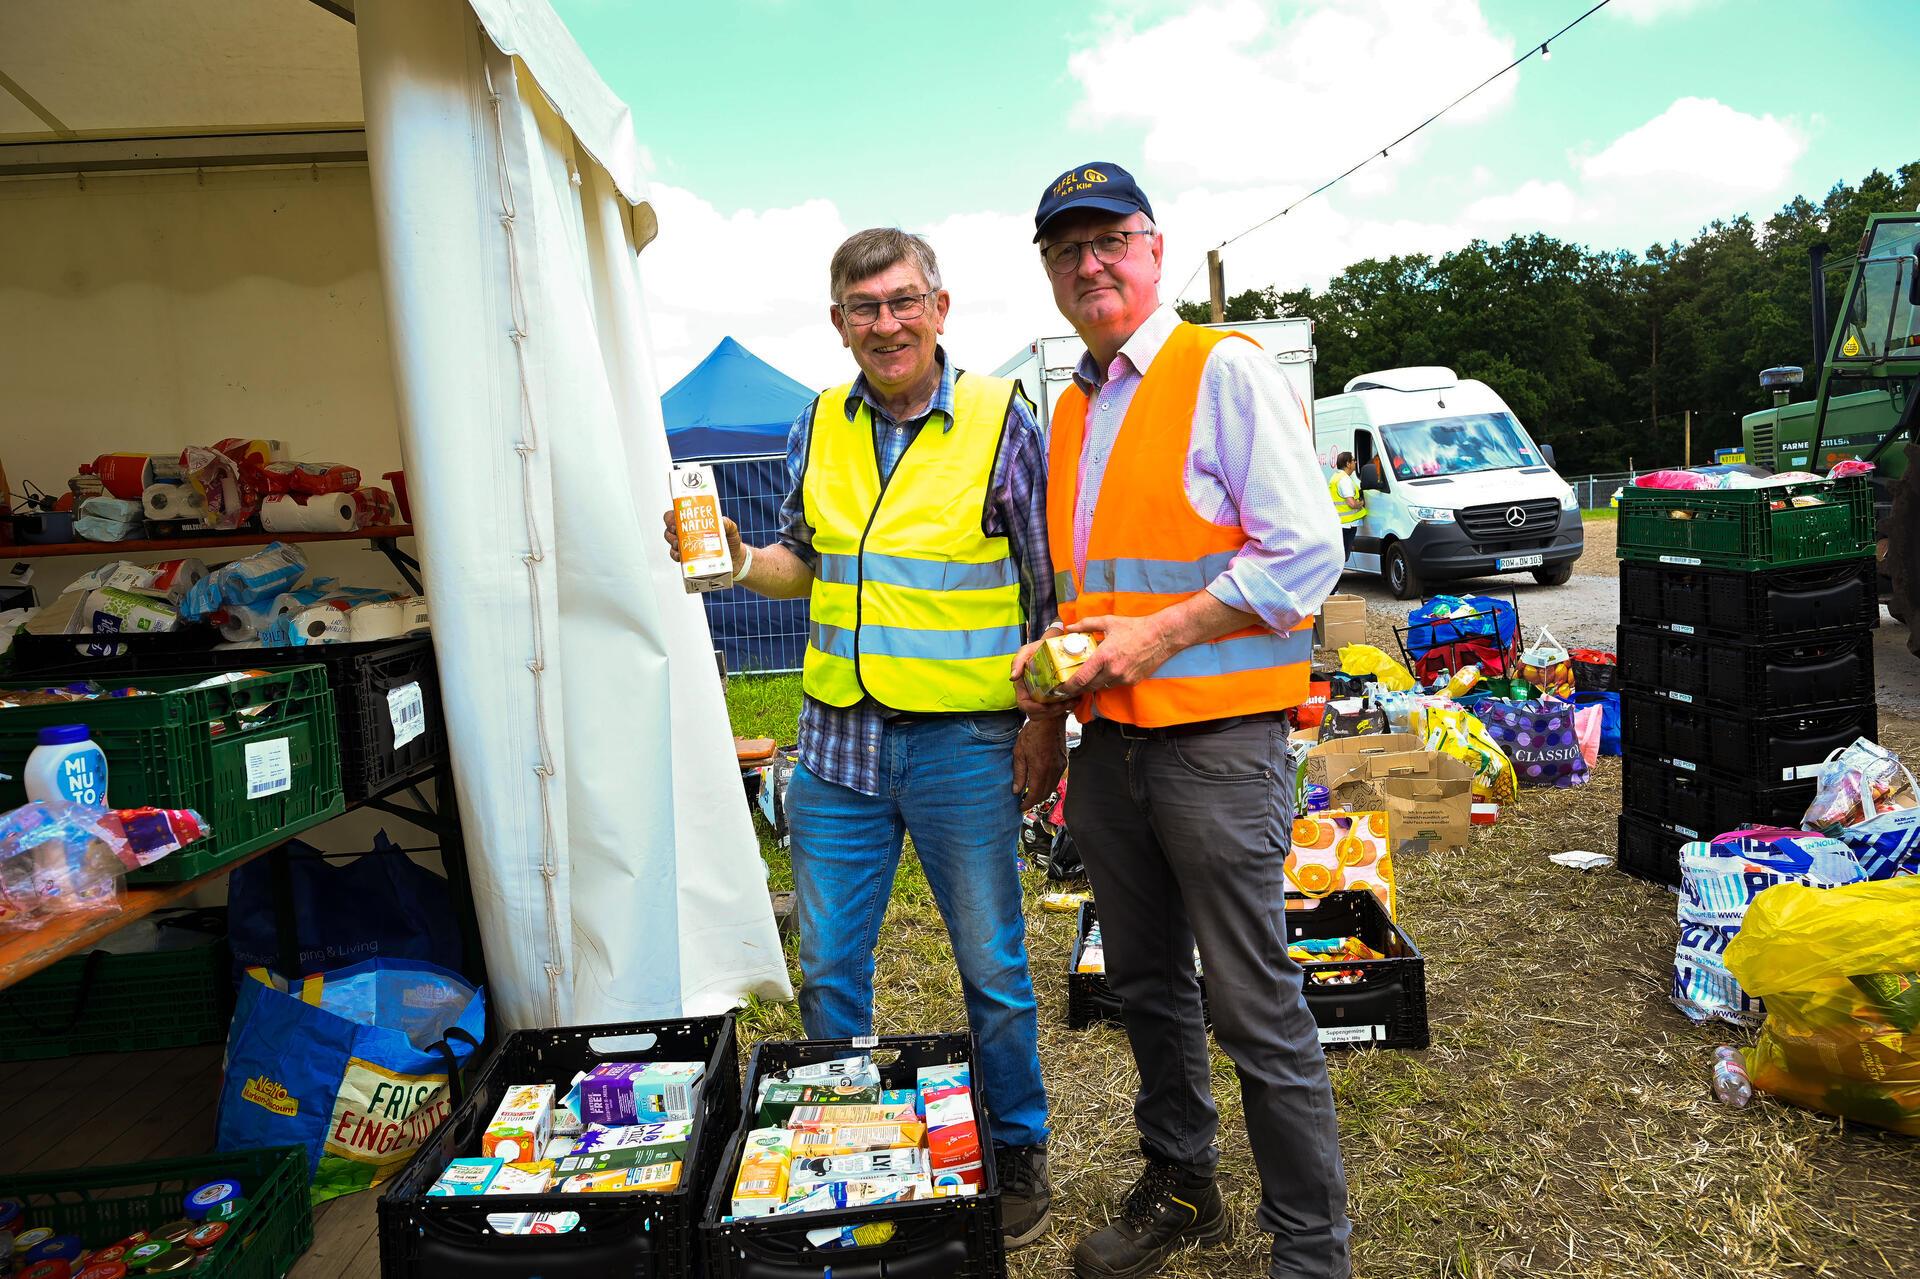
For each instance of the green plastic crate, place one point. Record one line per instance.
(100, 1002)
(161, 750)
(1739, 529)
(105, 1205)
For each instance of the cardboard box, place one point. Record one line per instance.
(1427, 796)
(1342, 621)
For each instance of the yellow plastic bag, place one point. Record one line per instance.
(1456, 731)
(1839, 969)
(1365, 659)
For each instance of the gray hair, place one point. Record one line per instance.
(867, 253)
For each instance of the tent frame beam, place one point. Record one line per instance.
(235, 150)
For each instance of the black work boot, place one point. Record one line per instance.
(1166, 1209)
(1026, 1195)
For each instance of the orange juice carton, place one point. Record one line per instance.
(761, 1186)
(705, 562)
(521, 1126)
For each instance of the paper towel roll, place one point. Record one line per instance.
(321, 624)
(333, 513)
(387, 620)
(172, 502)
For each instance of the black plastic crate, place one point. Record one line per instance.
(1765, 750)
(1803, 673)
(954, 1238)
(114, 1003)
(381, 689)
(1649, 851)
(1702, 806)
(1771, 604)
(620, 1236)
(1387, 1008)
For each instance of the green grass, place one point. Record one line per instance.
(764, 706)
(1604, 513)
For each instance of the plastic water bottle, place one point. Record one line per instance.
(67, 767)
(1731, 1087)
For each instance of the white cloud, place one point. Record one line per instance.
(1229, 95)
(1533, 204)
(1702, 142)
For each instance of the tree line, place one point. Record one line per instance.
(1599, 351)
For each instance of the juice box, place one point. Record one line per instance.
(781, 1100)
(856, 1139)
(705, 562)
(638, 1092)
(635, 1146)
(521, 1126)
(654, 1178)
(765, 1160)
(466, 1177)
(1055, 662)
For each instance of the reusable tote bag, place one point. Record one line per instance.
(355, 1065)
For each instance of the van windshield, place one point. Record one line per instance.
(1457, 445)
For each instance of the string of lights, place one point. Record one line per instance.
(1542, 51)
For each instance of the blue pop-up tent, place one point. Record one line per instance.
(734, 410)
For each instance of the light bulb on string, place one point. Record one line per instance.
(1546, 54)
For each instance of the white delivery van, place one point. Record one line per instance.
(1454, 485)
(1045, 365)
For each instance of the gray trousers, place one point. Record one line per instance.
(1184, 839)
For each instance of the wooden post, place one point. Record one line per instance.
(1217, 285)
(1686, 446)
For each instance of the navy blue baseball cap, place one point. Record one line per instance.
(1106, 187)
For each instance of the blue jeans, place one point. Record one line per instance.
(949, 784)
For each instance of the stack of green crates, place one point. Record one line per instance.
(1812, 522)
(258, 757)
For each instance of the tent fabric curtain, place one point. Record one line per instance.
(615, 869)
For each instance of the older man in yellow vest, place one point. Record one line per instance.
(915, 522)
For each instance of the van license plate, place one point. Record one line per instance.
(1506, 562)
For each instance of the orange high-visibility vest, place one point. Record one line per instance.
(1148, 548)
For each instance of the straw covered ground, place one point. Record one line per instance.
(1560, 1124)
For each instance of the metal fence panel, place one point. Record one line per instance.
(756, 634)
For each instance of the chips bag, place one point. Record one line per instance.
(1459, 733)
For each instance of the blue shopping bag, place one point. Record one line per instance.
(358, 1066)
(380, 906)
(1609, 704)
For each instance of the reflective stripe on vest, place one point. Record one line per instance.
(1348, 514)
(1148, 549)
(912, 604)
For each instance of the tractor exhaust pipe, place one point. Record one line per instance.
(1817, 265)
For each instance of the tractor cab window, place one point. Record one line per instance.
(1881, 315)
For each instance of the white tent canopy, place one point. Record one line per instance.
(615, 871)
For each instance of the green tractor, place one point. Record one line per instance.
(1867, 398)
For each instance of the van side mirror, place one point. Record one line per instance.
(1370, 478)
(1546, 451)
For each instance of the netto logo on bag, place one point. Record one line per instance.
(269, 1095)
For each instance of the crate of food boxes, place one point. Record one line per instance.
(254, 753)
(239, 1214)
(579, 1153)
(1781, 525)
(858, 1157)
(1365, 979)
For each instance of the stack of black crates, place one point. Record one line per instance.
(1746, 657)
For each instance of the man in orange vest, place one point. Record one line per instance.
(1191, 527)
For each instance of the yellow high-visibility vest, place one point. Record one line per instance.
(912, 605)
(1348, 514)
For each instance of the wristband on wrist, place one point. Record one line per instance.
(746, 564)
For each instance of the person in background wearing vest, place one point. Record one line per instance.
(1349, 499)
(915, 521)
(1190, 527)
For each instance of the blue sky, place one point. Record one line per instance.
(775, 127)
